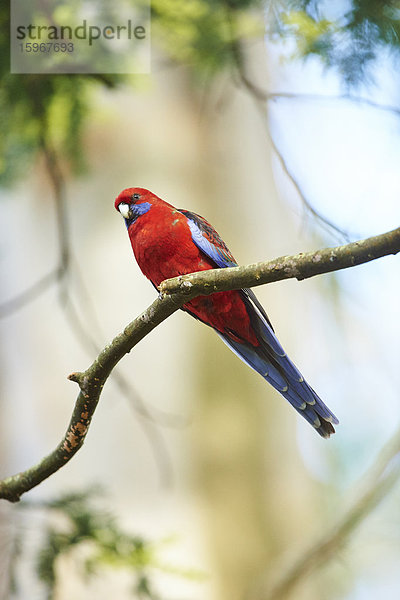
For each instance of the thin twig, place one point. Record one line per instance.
(58, 183)
(9, 307)
(262, 97)
(330, 225)
(60, 272)
(379, 481)
(333, 98)
(91, 381)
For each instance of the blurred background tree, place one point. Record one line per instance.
(348, 36)
(248, 491)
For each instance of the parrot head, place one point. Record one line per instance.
(134, 202)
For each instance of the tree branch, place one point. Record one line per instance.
(91, 384)
(301, 266)
(62, 275)
(174, 293)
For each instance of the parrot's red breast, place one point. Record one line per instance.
(163, 246)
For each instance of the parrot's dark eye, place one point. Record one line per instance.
(136, 197)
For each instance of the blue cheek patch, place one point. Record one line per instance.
(138, 210)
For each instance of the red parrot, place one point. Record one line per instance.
(168, 242)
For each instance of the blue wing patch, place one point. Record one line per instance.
(208, 241)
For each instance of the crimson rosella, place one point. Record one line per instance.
(168, 242)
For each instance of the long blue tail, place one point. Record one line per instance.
(271, 362)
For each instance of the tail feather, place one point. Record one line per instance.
(272, 363)
(258, 363)
(318, 415)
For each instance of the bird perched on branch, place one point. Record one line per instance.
(168, 242)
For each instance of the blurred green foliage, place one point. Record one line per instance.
(78, 521)
(350, 41)
(38, 110)
(202, 33)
